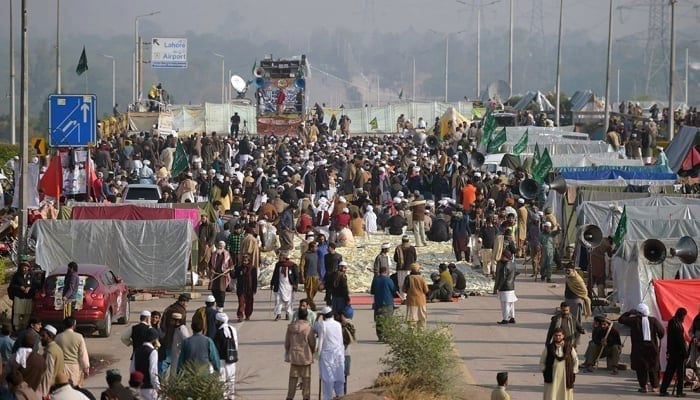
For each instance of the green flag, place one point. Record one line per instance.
(495, 144)
(535, 158)
(543, 167)
(521, 145)
(621, 228)
(179, 160)
(373, 124)
(488, 128)
(401, 94)
(82, 63)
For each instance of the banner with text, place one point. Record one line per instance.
(169, 53)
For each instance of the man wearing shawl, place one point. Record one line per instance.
(645, 332)
(225, 336)
(576, 294)
(559, 365)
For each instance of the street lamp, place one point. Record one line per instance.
(58, 46)
(671, 71)
(223, 77)
(608, 71)
(558, 85)
(478, 41)
(13, 94)
(114, 78)
(137, 51)
(447, 55)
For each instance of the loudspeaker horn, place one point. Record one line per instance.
(477, 160)
(419, 138)
(557, 183)
(654, 251)
(590, 235)
(300, 83)
(432, 141)
(260, 82)
(259, 72)
(686, 250)
(529, 188)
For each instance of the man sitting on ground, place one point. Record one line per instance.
(440, 290)
(605, 342)
(460, 282)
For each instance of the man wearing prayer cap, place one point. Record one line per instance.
(207, 316)
(54, 359)
(145, 361)
(547, 245)
(226, 342)
(382, 259)
(645, 333)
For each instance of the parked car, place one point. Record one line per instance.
(105, 299)
(141, 193)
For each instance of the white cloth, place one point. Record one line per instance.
(227, 374)
(179, 335)
(646, 330)
(557, 389)
(149, 394)
(21, 356)
(400, 277)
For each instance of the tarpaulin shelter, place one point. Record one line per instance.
(535, 101)
(146, 254)
(586, 100)
(681, 146)
(618, 176)
(450, 115)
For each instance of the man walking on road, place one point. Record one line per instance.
(299, 347)
(559, 365)
(246, 276)
(677, 352)
(331, 361)
(383, 290)
(75, 355)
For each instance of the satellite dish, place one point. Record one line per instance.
(499, 89)
(238, 84)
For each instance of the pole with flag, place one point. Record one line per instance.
(179, 160)
(521, 145)
(488, 128)
(401, 94)
(83, 67)
(621, 228)
(543, 166)
(255, 65)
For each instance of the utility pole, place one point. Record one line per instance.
(618, 87)
(558, 84)
(13, 94)
(114, 78)
(608, 70)
(671, 72)
(24, 138)
(413, 83)
(478, 52)
(686, 77)
(510, 52)
(447, 58)
(58, 46)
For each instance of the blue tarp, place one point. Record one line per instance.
(590, 174)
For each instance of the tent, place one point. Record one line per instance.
(619, 176)
(587, 101)
(451, 114)
(535, 101)
(681, 146)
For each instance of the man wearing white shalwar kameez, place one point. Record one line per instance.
(331, 362)
(224, 334)
(370, 220)
(284, 280)
(556, 373)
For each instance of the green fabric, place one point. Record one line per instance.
(521, 145)
(621, 228)
(373, 124)
(180, 162)
(488, 128)
(495, 144)
(82, 63)
(543, 167)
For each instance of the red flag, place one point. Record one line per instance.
(52, 181)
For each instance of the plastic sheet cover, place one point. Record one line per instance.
(146, 254)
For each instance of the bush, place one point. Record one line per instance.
(7, 151)
(194, 382)
(423, 359)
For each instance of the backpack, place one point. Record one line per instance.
(231, 354)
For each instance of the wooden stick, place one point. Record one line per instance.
(602, 347)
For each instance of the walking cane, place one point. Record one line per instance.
(319, 387)
(602, 347)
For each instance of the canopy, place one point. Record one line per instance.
(451, 114)
(586, 100)
(681, 145)
(535, 101)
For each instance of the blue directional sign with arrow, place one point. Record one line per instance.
(72, 120)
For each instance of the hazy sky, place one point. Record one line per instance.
(282, 19)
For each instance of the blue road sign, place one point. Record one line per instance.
(72, 120)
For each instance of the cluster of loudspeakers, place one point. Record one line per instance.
(685, 249)
(530, 188)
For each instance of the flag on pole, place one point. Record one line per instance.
(401, 94)
(255, 65)
(488, 128)
(521, 145)
(373, 124)
(543, 167)
(179, 160)
(495, 144)
(82, 63)
(621, 228)
(51, 182)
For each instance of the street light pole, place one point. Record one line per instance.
(58, 46)
(608, 71)
(13, 95)
(223, 77)
(137, 52)
(478, 52)
(558, 84)
(671, 70)
(114, 79)
(510, 52)
(686, 77)
(447, 59)
(24, 138)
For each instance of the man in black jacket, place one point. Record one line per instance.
(505, 287)
(439, 230)
(676, 352)
(21, 290)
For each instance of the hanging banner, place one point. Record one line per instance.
(169, 53)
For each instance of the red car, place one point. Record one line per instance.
(105, 298)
